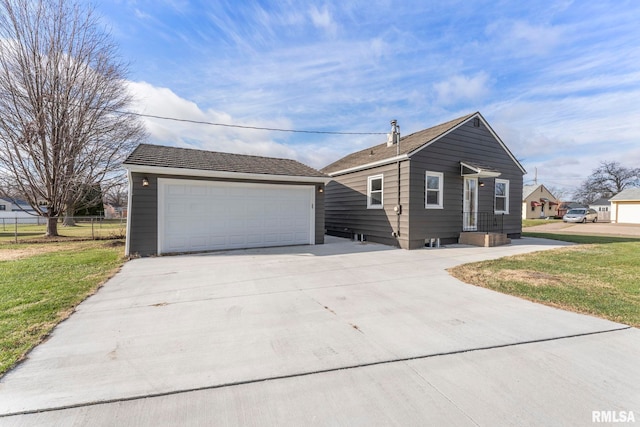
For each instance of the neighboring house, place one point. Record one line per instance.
(603, 207)
(438, 183)
(538, 202)
(114, 212)
(20, 205)
(185, 200)
(625, 206)
(20, 212)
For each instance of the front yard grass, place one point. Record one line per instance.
(41, 284)
(533, 222)
(600, 276)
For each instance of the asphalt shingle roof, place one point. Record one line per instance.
(380, 152)
(187, 158)
(528, 189)
(602, 201)
(627, 194)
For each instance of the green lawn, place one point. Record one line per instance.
(600, 276)
(532, 222)
(41, 284)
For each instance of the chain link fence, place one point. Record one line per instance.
(23, 229)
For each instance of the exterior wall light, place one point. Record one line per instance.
(145, 182)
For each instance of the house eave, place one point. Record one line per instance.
(370, 165)
(159, 170)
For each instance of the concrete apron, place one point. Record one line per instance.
(366, 330)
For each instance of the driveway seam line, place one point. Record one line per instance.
(303, 374)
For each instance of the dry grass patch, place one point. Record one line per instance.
(8, 254)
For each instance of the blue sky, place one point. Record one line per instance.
(559, 81)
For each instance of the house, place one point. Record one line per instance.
(603, 207)
(625, 206)
(437, 185)
(18, 211)
(112, 211)
(538, 202)
(186, 200)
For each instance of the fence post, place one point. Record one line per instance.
(93, 237)
(16, 231)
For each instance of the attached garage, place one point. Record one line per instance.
(625, 206)
(184, 200)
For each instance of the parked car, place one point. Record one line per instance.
(580, 215)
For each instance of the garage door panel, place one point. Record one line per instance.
(628, 213)
(206, 215)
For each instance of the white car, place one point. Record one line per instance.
(580, 215)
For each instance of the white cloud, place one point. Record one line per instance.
(322, 19)
(462, 88)
(521, 39)
(165, 103)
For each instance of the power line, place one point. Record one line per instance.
(200, 122)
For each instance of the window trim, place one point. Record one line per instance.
(369, 192)
(440, 204)
(506, 196)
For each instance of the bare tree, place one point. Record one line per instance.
(560, 193)
(62, 97)
(607, 180)
(117, 195)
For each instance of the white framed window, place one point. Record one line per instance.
(502, 196)
(375, 185)
(434, 185)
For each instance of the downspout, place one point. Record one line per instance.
(395, 132)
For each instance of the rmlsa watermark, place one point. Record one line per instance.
(613, 417)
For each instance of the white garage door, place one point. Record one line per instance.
(205, 215)
(629, 213)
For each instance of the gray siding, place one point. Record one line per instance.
(143, 216)
(144, 211)
(346, 205)
(346, 196)
(467, 143)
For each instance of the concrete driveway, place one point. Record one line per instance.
(338, 334)
(589, 228)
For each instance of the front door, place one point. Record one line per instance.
(470, 205)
